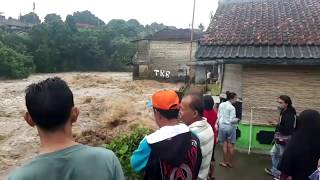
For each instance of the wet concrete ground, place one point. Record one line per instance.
(246, 167)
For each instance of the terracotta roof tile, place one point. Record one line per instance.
(265, 22)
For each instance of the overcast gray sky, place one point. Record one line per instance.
(170, 12)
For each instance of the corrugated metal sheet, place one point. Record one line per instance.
(258, 52)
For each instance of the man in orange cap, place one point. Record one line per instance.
(172, 152)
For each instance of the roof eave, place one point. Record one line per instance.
(264, 61)
(184, 40)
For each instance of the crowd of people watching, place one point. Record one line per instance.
(182, 147)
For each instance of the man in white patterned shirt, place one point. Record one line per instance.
(191, 113)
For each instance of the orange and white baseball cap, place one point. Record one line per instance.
(165, 100)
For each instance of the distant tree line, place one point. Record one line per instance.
(59, 46)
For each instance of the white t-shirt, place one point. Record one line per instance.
(208, 75)
(227, 114)
(204, 132)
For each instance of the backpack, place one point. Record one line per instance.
(188, 169)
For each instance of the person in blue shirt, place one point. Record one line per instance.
(171, 152)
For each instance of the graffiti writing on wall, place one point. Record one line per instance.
(162, 73)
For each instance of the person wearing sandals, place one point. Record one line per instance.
(227, 128)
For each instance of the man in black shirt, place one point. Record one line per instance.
(284, 129)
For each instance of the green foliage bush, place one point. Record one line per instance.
(13, 64)
(214, 89)
(123, 146)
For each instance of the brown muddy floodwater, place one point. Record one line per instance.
(110, 104)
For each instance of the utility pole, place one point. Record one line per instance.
(191, 41)
(192, 30)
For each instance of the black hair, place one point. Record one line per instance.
(49, 103)
(197, 103)
(169, 114)
(309, 122)
(230, 95)
(308, 129)
(286, 99)
(208, 102)
(180, 95)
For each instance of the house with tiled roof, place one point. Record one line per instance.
(264, 48)
(14, 24)
(163, 55)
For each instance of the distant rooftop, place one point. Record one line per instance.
(173, 35)
(13, 22)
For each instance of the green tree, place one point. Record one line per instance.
(86, 17)
(86, 53)
(18, 42)
(71, 23)
(155, 27)
(201, 27)
(42, 59)
(48, 41)
(137, 29)
(13, 64)
(123, 54)
(52, 18)
(57, 45)
(31, 17)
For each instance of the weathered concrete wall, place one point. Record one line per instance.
(141, 60)
(232, 78)
(262, 85)
(200, 74)
(142, 54)
(166, 60)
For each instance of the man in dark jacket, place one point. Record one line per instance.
(172, 152)
(284, 129)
